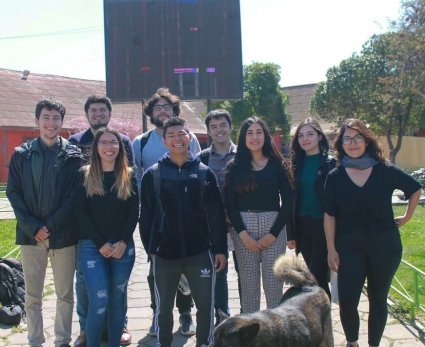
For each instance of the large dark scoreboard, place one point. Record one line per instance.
(192, 47)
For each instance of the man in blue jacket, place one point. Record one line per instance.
(41, 179)
(183, 230)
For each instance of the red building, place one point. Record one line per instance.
(20, 92)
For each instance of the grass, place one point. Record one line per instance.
(7, 236)
(413, 239)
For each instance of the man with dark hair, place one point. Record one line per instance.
(221, 151)
(183, 230)
(148, 149)
(42, 175)
(98, 111)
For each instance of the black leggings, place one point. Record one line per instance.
(312, 244)
(378, 266)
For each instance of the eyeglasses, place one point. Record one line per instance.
(165, 107)
(113, 143)
(347, 140)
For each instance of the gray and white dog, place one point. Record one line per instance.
(302, 319)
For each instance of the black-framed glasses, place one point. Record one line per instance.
(347, 140)
(165, 107)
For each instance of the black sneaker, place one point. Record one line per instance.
(187, 328)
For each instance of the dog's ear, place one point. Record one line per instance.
(222, 315)
(248, 332)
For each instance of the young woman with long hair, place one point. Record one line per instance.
(259, 198)
(106, 207)
(311, 164)
(362, 233)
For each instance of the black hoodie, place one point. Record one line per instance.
(193, 220)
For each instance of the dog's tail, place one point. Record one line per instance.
(293, 270)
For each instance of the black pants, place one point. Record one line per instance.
(373, 257)
(312, 244)
(200, 273)
(184, 303)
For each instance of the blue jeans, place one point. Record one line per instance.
(106, 282)
(82, 302)
(81, 293)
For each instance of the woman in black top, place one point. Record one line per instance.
(106, 207)
(255, 184)
(311, 164)
(361, 232)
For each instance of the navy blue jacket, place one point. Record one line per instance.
(191, 225)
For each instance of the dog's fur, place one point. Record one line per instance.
(302, 319)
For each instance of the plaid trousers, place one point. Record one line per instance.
(254, 267)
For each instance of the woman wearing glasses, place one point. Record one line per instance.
(106, 207)
(362, 234)
(258, 197)
(311, 164)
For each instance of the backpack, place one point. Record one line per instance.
(12, 290)
(204, 156)
(144, 140)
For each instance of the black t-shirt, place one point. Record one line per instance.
(273, 193)
(366, 209)
(106, 218)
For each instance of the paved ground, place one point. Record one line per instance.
(395, 335)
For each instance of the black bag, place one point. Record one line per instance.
(11, 314)
(12, 290)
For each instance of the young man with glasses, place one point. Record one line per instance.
(98, 111)
(162, 106)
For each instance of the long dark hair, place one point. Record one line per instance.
(240, 174)
(372, 146)
(297, 152)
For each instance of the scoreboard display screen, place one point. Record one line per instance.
(193, 47)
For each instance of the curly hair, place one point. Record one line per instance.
(373, 148)
(163, 93)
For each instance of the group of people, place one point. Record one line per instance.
(77, 202)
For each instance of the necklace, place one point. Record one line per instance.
(259, 166)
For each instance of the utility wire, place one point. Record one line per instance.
(55, 33)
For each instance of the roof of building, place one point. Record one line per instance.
(299, 106)
(18, 97)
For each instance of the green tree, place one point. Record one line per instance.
(262, 96)
(410, 45)
(372, 86)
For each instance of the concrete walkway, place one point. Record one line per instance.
(139, 313)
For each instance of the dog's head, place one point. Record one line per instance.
(236, 331)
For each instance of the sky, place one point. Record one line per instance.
(304, 37)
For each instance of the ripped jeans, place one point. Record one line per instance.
(106, 281)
